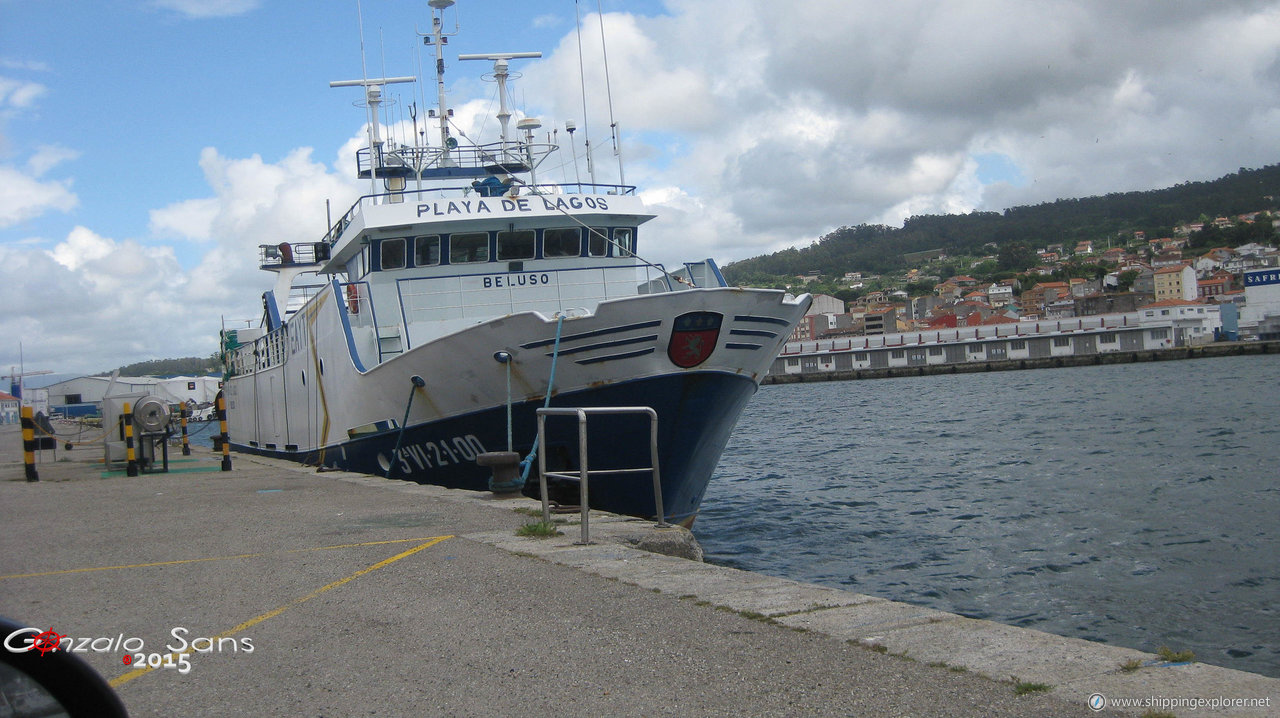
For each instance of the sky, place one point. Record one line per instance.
(147, 147)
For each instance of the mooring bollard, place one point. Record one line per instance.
(29, 443)
(131, 467)
(186, 448)
(222, 426)
(506, 471)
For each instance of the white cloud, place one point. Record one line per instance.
(80, 247)
(33, 65)
(23, 197)
(651, 91)
(838, 112)
(199, 9)
(189, 219)
(254, 203)
(19, 94)
(94, 302)
(49, 156)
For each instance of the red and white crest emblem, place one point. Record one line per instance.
(693, 338)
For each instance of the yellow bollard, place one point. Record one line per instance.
(131, 468)
(29, 443)
(186, 447)
(226, 440)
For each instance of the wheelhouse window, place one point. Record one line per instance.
(598, 242)
(624, 242)
(515, 245)
(469, 247)
(391, 253)
(562, 242)
(426, 250)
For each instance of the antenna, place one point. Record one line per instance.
(373, 98)
(582, 81)
(439, 39)
(528, 125)
(570, 127)
(608, 86)
(500, 74)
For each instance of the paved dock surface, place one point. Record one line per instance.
(363, 596)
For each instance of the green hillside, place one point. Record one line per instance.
(186, 366)
(880, 249)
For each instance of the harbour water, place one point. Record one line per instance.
(1134, 504)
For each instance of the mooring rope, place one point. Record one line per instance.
(418, 383)
(78, 442)
(551, 382)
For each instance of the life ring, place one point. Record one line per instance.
(353, 298)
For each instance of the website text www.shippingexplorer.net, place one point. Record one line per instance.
(1100, 702)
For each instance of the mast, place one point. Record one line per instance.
(373, 98)
(501, 74)
(439, 40)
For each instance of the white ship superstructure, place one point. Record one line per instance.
(440, 311)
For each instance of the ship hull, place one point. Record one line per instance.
(319, 406)
(696, 413)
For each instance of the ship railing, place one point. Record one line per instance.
(583, 474)
(288, 254)
(464, 160)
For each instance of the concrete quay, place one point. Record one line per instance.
(1199, 351)
(331, 593)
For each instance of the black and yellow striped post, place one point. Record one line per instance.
(186, 447)
(131, 468)
(225, 440)
(29, 443)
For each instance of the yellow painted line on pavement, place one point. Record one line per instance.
(211, 558)
(138, 672)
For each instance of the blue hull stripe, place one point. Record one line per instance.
(611, 357)
(762, 320)
(605, 345)
(595, 333)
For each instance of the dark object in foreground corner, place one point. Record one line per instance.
(35, 683)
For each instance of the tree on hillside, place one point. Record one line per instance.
(1016, 256)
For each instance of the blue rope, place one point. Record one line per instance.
(551, 382)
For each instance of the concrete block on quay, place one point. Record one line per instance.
(781, 596)
(866, 622)
(676, 576)
(997, 650)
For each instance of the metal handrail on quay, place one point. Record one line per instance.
(584, 472)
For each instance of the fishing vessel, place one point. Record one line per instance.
(465, 291)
